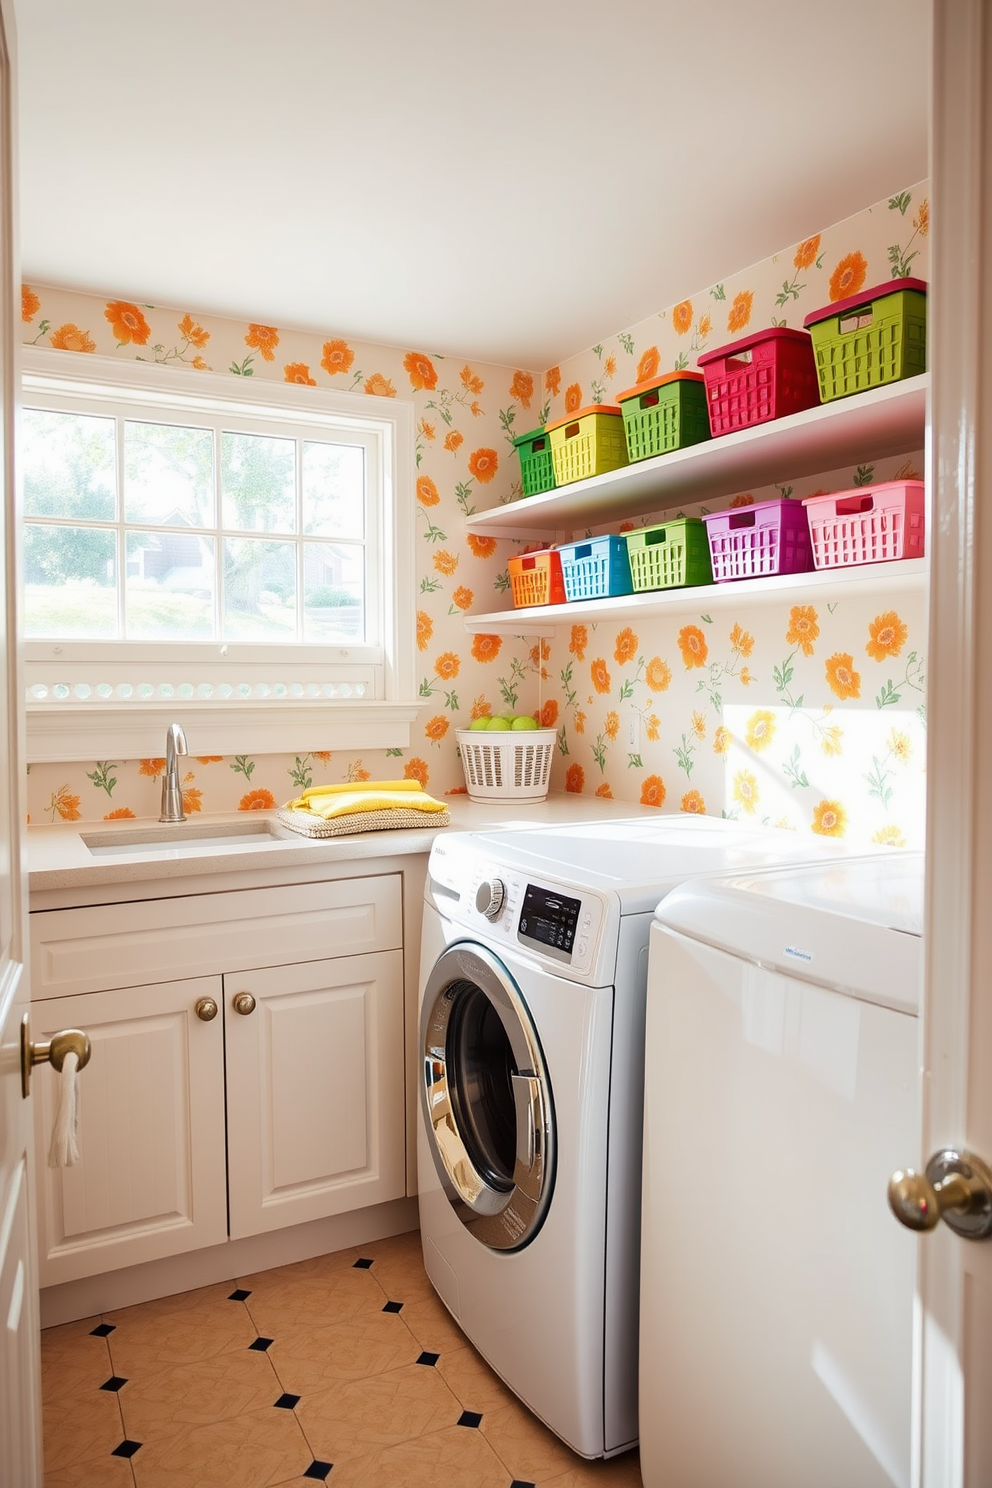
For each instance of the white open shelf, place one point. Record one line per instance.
(805, 588)
(867, 426)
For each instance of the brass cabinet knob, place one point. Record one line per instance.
(956, 1188)
(206, 1009)
(243, 1003)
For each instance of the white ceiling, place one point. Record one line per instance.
(510, 182)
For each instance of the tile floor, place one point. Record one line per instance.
(345, 1369)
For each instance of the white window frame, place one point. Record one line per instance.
(278, 695)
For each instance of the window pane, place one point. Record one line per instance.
(70, 582)
(169, 587)
(258, 477)
(334, 592)
(333, 490)
(168, 475)
(69, 464)
(259, 590)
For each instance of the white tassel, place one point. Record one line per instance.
(64, 1151)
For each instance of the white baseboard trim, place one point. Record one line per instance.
(197, 1268)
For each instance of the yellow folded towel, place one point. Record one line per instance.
(332, 801)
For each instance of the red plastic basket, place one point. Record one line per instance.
(771, 537)
(536, 579)
(871, 524)
(763, 376)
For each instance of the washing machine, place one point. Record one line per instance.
(782, 1070)
(533, 977)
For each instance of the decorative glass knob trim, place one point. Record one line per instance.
(206, 1009)
(956, 1188)
(243, 1003)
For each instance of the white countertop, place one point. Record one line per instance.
(58, 858)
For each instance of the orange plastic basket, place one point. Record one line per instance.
(536, 579)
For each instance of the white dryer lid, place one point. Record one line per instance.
(854, 926)
(640, 859)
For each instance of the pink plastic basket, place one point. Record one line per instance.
(763, 376)
(771, 537)
(872, 524)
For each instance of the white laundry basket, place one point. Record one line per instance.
(507, 765)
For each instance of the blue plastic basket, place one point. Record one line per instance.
(597, 568)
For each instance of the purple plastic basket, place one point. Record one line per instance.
(749, 542)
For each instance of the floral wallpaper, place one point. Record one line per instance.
(808, 715)
(467, 415)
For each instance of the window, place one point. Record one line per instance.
(209, 548)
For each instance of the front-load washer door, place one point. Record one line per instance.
(486, 1098)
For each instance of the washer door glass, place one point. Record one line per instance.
(486, 1098)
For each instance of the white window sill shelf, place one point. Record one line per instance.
(73, 730)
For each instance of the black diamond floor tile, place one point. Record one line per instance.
(469, 1418)
(239, 1296)
(126, 1449)
(287, 1401)
(393, 1307)
(428, 1358)
(362, 1264)
(114, 1383)
(102, 1330)
(520, 1483)
(319, 1470)
(261, 1344)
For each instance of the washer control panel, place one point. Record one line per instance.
(554, 922)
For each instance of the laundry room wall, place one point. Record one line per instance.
(812, 716)
(467, 414)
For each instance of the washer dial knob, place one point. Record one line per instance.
(489, 898)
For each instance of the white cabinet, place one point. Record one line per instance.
(315, 1090)
(310, 1086)
(150, 1182)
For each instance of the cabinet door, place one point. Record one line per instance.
(150, 1181)
(315, 1091)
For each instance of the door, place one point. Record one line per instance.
(486, 1098)
(955, 1440)
(20, 1415)
(150, 1181)
(315, 1090)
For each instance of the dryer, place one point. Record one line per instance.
(533, 978)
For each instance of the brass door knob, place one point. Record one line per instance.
(70, 1040)
(243, 1003)
(956, 1188)
(206, 1009)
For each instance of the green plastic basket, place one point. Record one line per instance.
(537, 465)
(669, 556)
(665, 414)
(870, 339)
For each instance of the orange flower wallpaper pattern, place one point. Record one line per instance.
(808, 714)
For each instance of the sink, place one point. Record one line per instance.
(182, 839)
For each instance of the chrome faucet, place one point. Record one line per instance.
(172, 795)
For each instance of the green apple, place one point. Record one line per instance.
(499, 723)
(524, 723)
(479, 723)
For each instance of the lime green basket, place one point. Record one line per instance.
(537, 466)
(870, 339)
(671, 556)
(588, 442)
(667, 413)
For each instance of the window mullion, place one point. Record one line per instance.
(121, 534)
(300, 547)
(218, 539)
